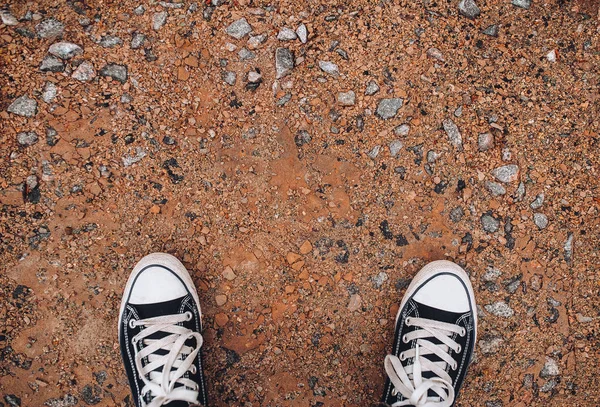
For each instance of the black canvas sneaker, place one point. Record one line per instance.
(436, 330)
(159, 333)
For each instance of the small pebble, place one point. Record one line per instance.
(506, 173)
(540, 220)
(23, 106)
(457, 214)
(137, 40)
(7, 18)
(537, 202)
(139, 10)
(302, 33)
(395, 146)
(453, 133)
(229, 77)
(159, 20)
(374, 152)
(490, 345)
(489, 223)
(495, 188)
(435, 54)
(492, 31)
(110, 41)
(551, 56)
(568, 248)
(432, 156)
(50, 28)
(346, 98)
(239, 29)
(329, 67)
(500, 309)
(228, 274)
(522, 3)
(550, 369)
(284, 62)
(372, 88)
(27, 138)
(245, 54)
(65, 50)
(254, 77)
(468, 8)
(49, 92)
(220, 300)
(286, 34)
(388, 108)
(50, 63)
(402, 130)
(255, 40)
(115, 71)
(485, 141)
(354, 304)
(85, 72)
(520, 192)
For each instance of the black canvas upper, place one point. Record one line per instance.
(414, 309)
(137, 312)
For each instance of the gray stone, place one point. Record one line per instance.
(239, 29)
(435, 54)
(354, 304)
(388, 108)
(159, 20)
(540, 220)
(485, 141)
(7, 18)
(489, 223)
(52, 64)
(568, 248)
(110, 41)
(229, 77)
(457, 214)
(245, 54)
(129, 160)
(490, 345)
(468, 8)
(68, 400)
(432, 156)
(346, 98)
(550, 369)
(374, 152)
(284, 62)
(492, 30)
(137, 40)
(506, 173)
(65, 50)
(537, 202)
(500, 309)
(302, 138)
(49, 92)
(126, 98)
(50, 28)
(379, 279)
(495, 188)
(115, 71)
(372, 88)
(458, 111)
(395, 147)
(302, 33)
(255, 40)
(453, 133)
(520, 192)
(491, 274)
(329, 67)
(254, 77)
(85, 72)
(286, 34)
(170, 5)
(23, 106)
(139, 10)
(27, 138)
(402, 130)
(522, 3)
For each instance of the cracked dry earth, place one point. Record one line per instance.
(304, 160)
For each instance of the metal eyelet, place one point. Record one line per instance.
(453, 367)
(459, 349)
(134, 340)
(132, 323)
(401, 357)
(193, 370)
(188, 316)
(404, 339)
(407, 321)
(463, 332)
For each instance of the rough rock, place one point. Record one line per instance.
(395, 147)
(255, 40)
(115, 71)
(139, 10)
(540, 220)
(329, 67)
(495, 188)
(453, 133)
(23, 106)
(159, 20)
(354, 304)
(65, 50)
(284, 62)
(245, 54)
(286, 34)
(49, 92)
(27, 138)
(137, 40)
(550, 369)
(538, 201)
(402, 130)
(485, 141)
(489, 223)
(7, 18)
(500, 309)
(302, 33)
(492, 30)
(50, 28)
(84, 72)
(522, 3)
(346, 98)
(435, 54)
(229, 77)
(468, 8)
(506, 173)
(239, 29)
(372, 88)
(388, 108)
(110, 41)
(50, 63)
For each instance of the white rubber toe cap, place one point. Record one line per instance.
(156, 284)
(445, 292)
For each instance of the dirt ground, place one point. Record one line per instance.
(301, 210)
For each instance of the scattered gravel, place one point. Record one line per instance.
(50, 28)
(435, 54)
(65, 50)
(453, 133)
(374, 152)
(522, 3)
(115, 71)
(85, 72)
(239, 29)
(329, 67)
(372, 88)
(302, 33)
(550, 369)
(402, 130)
(489, 223)
(492, 30)
(485, 141)
(137, 40)
(50, 63)
(506, 173)
(49, 93)
(500, 309)
(284, 62)
(110, 41)
(388, 108)
(7, 18)
(23, 106)
(159, 20)
(229, 77)
(287, 34)
(27, 138)
(540, 220)
(346, 98)
(468, 8)
(537, 202)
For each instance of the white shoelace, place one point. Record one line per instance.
(409, 380)
(178, 360)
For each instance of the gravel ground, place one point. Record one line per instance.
(304, 161)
